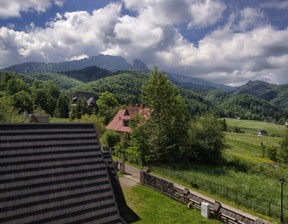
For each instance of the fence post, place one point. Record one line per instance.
(269, 208)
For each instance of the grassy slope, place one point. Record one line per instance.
(245, 147)
(155, 208)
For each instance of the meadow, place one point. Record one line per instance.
(243, 168)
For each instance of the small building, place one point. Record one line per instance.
(90, 97)
(121, 121)
(262, 132)
(57, 173)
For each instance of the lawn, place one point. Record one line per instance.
(59, 120)
(155, 208)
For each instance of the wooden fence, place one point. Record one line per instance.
(194, 201)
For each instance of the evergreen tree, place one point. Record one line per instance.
(62, 106)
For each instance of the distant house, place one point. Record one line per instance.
(121, 121)
(57, 173)
(90, 97)
(262, 132)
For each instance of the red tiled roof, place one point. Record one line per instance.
(127, 114)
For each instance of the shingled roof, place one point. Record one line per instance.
(56, 173)
(117, 124)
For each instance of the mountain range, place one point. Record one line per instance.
(254, 100)
(111, 64)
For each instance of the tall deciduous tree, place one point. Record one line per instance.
(168, 121)
(107, 104)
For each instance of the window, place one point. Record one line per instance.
(126, 123)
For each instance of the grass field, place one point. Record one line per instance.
(155, 208)
(260, 179)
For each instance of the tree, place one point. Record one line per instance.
(15, 85)
(23, 101)
(283, 150)
(79, 110)
(139, 146)
(108, 106)
(205, 140)
(98, 122)
(8, 114)
(110, 139)
(62, 106)
(168, 121)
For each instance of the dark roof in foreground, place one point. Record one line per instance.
(56, 173)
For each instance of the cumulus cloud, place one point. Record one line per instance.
(170, 12)
(13, 8)
(244, 48)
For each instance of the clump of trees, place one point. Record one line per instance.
(170, 134)
(23, 97)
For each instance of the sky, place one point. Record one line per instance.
(223, 41)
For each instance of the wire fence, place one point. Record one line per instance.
(260, 205)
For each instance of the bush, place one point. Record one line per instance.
(272, 152)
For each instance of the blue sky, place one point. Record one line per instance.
(224, 41)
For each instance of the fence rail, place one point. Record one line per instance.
(185, 196)
(261, 205)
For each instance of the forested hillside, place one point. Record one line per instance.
(126, 87)
(88, 74)
(275, 94)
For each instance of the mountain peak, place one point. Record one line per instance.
(139, 65)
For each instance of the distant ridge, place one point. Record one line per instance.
(255, 88)
(108, 62)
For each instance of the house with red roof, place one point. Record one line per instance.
(121, 121)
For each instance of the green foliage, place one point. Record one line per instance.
(251, 108)
(98, 122)
(8, 114)
(110, 139)
(80, 109)
(139, 146)
(283, 152)
(45, 95)
(120, 150)
(88, 74)
(108, 106)
(15, 85)
(168, 121)
(60, 80)
(62, 106)
(125, 86)
(224, 125)
(272, 152)
(23, 101)
(205, 139)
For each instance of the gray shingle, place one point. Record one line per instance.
(56, 173)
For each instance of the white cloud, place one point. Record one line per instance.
(79, 57)
(242, 49)
(13, 8)
(200, 13)
(275, 4)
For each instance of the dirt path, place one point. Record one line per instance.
(131, 178)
